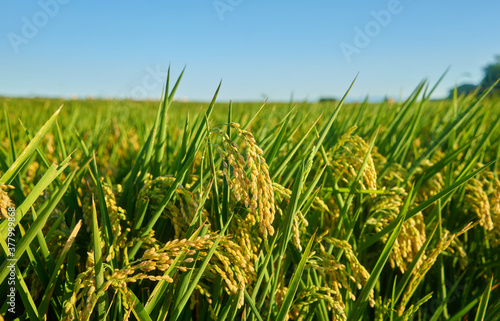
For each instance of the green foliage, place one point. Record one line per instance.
(196, 211)
(490, 79)
(492, 74)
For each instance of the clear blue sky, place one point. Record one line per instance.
(258, 48)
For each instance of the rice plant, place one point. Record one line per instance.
(118, 210)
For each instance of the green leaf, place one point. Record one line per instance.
(37, 225)
(8, 176)
(197, 276)
(294, 283)
(49, 290)
(24, 293)
(483, 303)
(98, 263)
(362, 299)
(52, 172)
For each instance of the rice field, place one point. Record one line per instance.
(128, 210)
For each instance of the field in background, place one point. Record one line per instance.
(301, 211)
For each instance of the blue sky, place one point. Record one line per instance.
(258, 48)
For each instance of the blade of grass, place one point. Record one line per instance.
(106, 220)
(52, 172)
(24, 293)
(197, 276)
(447, 131)
(362, 299)
(483, 303)
(294, 283)
(98, 263)
(8, 176)
(37, 225)
(49, 290)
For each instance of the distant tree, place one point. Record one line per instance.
(464, 89)
(328, 100)
(492, 74)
